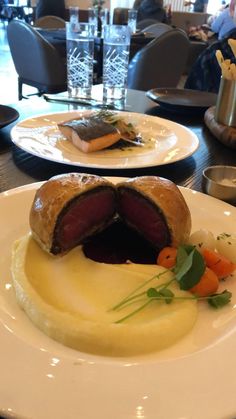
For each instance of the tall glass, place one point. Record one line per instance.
(93, 18)
(104, 20)
(116, 46)
(80, 55)
(132, 20)
(74, 17)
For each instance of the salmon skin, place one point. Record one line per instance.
(90, 134)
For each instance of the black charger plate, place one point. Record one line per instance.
(182, 100)
(7, 115)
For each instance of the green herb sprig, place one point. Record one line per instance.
(188, 270)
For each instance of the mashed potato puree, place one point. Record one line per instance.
(69, 299)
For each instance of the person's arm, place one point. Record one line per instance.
(217, 23)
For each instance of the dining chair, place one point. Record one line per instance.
(157, 29)
(160, 63)
(50, 22)
(37, 62)
(143, 24)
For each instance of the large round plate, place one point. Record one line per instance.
(7, 115)
(41, 379)
(169, 143)
(182, 100)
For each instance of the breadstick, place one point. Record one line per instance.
(228, 62)
(226, 73)
(232, 44)
(233, 71)
(219, 57)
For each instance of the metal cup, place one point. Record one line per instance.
(225, 112)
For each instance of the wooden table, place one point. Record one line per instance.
(18, 167)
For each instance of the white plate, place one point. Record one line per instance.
(170, 142)
(42, 379)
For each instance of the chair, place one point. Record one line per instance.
(143, 24)
(160, 63)
(50, 22)
(37, 62)
(157, 29)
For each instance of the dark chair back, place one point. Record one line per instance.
(143, 24)
(158, 28)
(160, 63)
(50, 22)
(37, 62)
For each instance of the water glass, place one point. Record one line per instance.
(116, 47)
(80, 55)
(93, 18)
(104, 20)
(132, 20)
(74, 17)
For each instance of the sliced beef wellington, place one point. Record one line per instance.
(69, 208)
(155, 208)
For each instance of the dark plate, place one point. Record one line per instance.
(7, 115)
(182, 100)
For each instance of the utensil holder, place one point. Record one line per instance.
(225, 112)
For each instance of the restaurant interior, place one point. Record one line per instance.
(106, 162)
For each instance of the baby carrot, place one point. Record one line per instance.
(167, 257)
(207, 285)
(222, 266)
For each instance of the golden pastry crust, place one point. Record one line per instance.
(52, 197)
(164, 194)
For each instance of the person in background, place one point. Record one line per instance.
(151, 9)
(137, 4)
(50, 7)
(223, 23)
(206, 73)
(199, 6)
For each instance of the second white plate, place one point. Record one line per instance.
(166, 142)
(42, 379)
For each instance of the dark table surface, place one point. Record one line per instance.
(18, 167)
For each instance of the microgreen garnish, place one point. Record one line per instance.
(189, 267)
(219, 300)
(163, 293)
(188, 270)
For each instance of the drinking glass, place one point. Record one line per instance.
(104, 20)
(80, 55)
(74, 17)
(132, 19)
(93, 18)
(116, 47)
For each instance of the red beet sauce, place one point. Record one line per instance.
(119, 244)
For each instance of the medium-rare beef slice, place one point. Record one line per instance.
(155, 208)
(69, 208)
